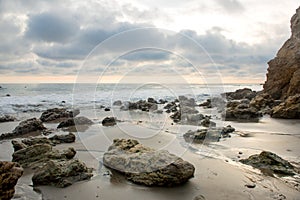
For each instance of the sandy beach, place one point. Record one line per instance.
(218, 175)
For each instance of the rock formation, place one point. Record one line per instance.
(9, 174)
(58, 114)
(146, 166)
(283, 78)
(25, 127)
(75, 121)
(270, 163)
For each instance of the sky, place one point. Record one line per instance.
(195, 41)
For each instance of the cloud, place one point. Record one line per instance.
(51, 27)
(231, 6)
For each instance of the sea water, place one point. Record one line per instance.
(21, 98)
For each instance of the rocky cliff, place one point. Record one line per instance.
(283, 77)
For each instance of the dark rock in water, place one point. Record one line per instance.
(109, 121)
(58, 114)
(212, 134)
(29, 125)
(7, 118)
(58, 139)
(139, 105)
(162, 101)
(268, 161)
(237, 111)
(75, 121)
(206, 104)
(152, 100)
(25, 127)
(10, 172)
(245, 93)
(146, 166)
(117, 103)
(289, 109)
(61, 173)
(283, 77)
(106, 109)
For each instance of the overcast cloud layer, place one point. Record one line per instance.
(54, 37)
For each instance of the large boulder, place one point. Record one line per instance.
(61, 173)
(210, 135)
(241, 111)
(289, 109)
(239, 94)
(270, 163)
(7, 118)
(75, 121)
(146, 166)
(109, 121)
(29, 125)
(25, 127)
(33, 156)
(58, 114)
(283, 77)
(10, 172)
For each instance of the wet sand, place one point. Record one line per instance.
(218, 173)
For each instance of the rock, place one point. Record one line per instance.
(139, 105)
(75, 121)
(212, 134)
(237, 111)
(117, 103)
(184, 101)
(152, 100)
(263, 102)
(207, 123)
(7, 118)
(269, 162)
(9, 174)
(29, 125)
(289, 109)
(109, 121)
(206, 104)
(58, 114)
(25, 127)
(162, 101)
(283, 77)
(245, 93)
(106, 109)
(214, 102)
(146, 166)
(17, 145)
(33, 156)
(250, 185)
(199, 197)
(8, 95)
(61, 173)
(58, 139)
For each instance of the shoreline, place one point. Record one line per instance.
(216, 164)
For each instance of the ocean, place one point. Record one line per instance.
(26, 98)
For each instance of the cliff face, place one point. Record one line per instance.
(283, 77)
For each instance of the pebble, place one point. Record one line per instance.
(250, 185)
